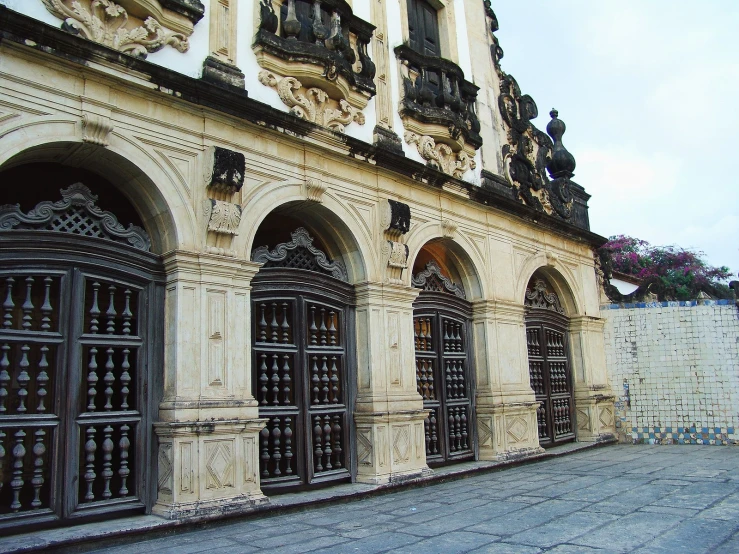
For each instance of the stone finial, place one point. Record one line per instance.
(562, 163)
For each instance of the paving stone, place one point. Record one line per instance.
(693, 536)
(561, 530)
(527, 518)
(628, 532)
(450, 543)
(504, 548)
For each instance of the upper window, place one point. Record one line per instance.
(423, 28)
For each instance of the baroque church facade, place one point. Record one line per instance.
(261, 246)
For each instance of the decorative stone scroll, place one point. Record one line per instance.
(96, 129)
(223, 217)
(301, 254)
(395, 222)
(432, 279)
(314, 190)
(108, 23)
(313, 104)
(441, 156)
(539, 296)
(75, 213)
(224, 169)
(396, 219)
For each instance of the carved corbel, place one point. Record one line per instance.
(96, 129)
(441, 157)
(223, 217)
(552, 259)
(224, 170)
(314, 190)
(397, 260)
(449, 229)
(396, 221)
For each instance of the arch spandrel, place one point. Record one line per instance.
(148, 185)
(330, 221)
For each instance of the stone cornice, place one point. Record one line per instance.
(31, 36)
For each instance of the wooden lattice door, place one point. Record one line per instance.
(549, 366)
(444, 376)
(81, 321)
(303, 364)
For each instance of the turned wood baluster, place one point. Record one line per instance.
(92, 379)
(458, 428)
(427, 435)
(276, 454)
(285, 325)
(334, 381)
(336, 430)
(263, 379)
(2, 454)
(4, 378)
(46, 308)
(90, 448)
(288, 434)
(420, 378)
(465, 444)
(42, 378)
(415, 333)
(262, 324)
(127, 315)
(313, 329)
(459, 337)
(275, 369)
(450, 431)
(286, 381)
(324, 379)
(109, 379)
(448, 379)
(111, 313)
(317, 444)
(28, 305)
(434, 434)
(124, 445)
(274, 326)
(125, 379)
(322, 329)
(327, 451)
(17, 482)
(95, 309)
(332, 329)
(23, 379)
(264, 457)
(8, 305)
(107, 460)
(315, 380)
(430, 374)
(429, 335)
(446, 336)
(38, 472)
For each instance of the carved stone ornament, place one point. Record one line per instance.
(432, 279)
(449, 229)
(396, 218)
(441, 156)
(108, 23)
(223, 217)
(96, 129)
(313, 104)
(224, 169)
(539, 296)
(301, 254)
(75, 213)
(396, 254)
(314, 190)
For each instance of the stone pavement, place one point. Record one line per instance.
(646, 499)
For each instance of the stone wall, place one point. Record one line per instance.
(674, 367)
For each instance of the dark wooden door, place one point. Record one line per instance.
(549, 371)
(423, 27)
(79, 344)
(444, 377)
(303, 343)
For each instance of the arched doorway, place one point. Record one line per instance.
(80, 351)
(549, 362)
(443, 346)
(304, 367)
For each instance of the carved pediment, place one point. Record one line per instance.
(539, 295)
(322, 46)
(432, 279)
(135, 27)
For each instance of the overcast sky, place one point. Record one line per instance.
(648, 90)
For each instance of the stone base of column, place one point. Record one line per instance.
(208, 468)
(391, 447)
(595, 416)
(507, 431)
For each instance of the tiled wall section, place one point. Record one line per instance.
(674, 368)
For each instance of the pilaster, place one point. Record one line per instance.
(389, 411)
(506, 407)
(594, 401)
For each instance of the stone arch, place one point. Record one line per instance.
(460, 254)
(561, 278)
(330, 222)
(164, 211)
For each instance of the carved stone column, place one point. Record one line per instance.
(506, 407)
(208, 435)
(594, 409)
(389, 412)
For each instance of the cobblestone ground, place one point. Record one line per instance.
(646, 499)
